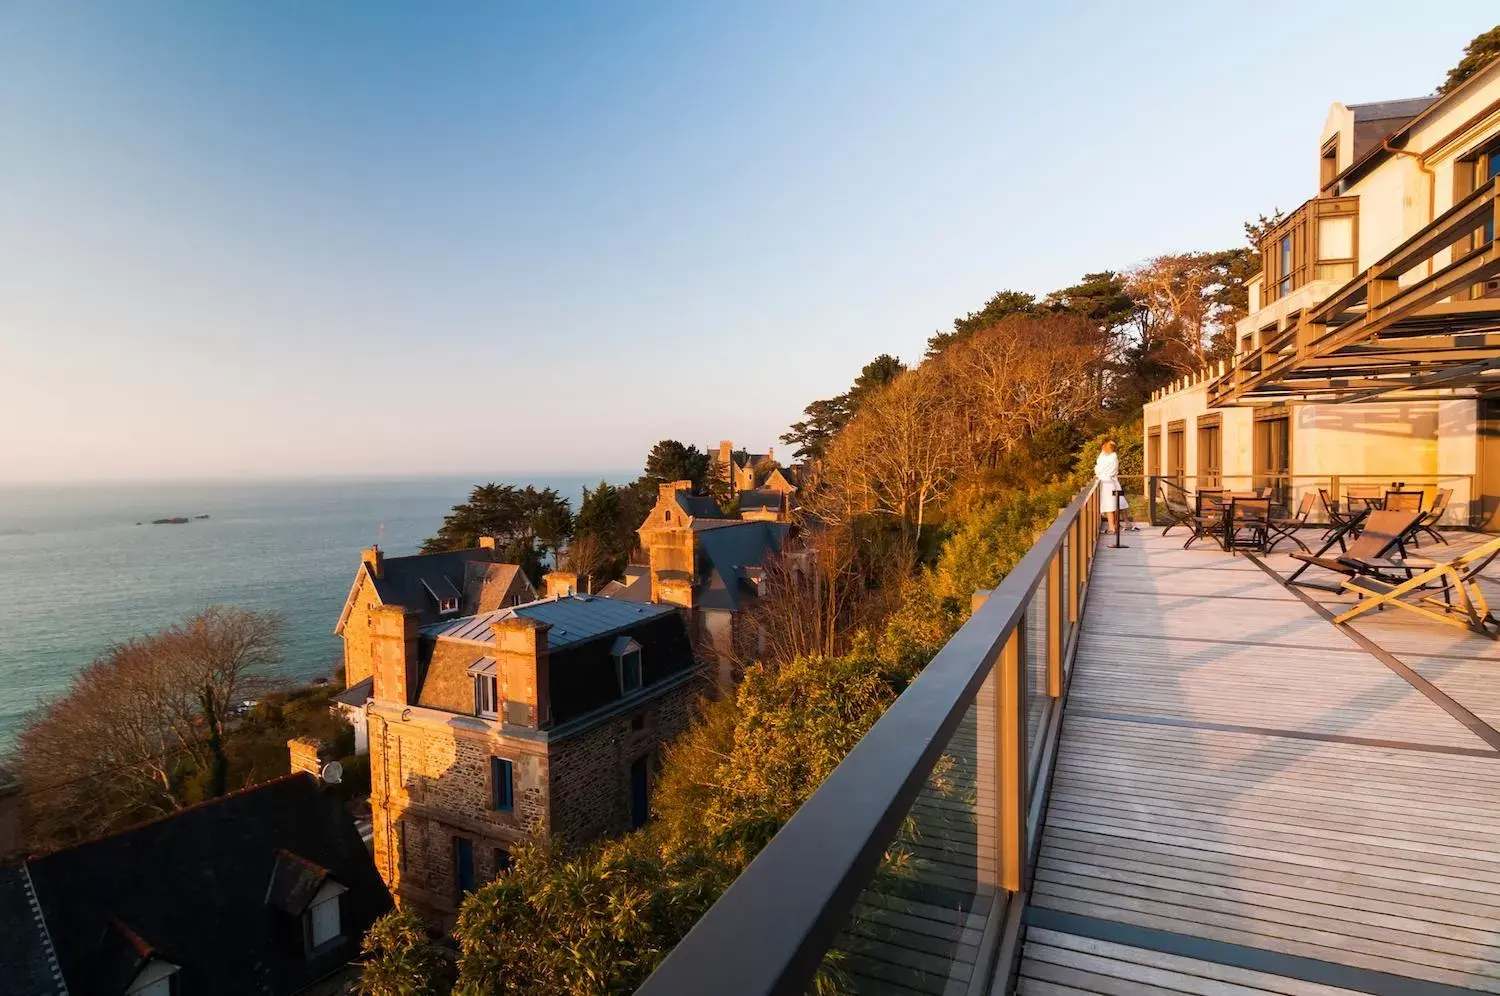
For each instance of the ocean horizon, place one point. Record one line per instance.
(82, 566)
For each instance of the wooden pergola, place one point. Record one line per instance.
(1378, 338)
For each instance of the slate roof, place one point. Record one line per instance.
(25, 956)
(635, 588)
(193, 889)
(760, 498)
(698, 506)
(356, 694)
(1373, 122)
(728, 552)
(573, 618)
(412, 581)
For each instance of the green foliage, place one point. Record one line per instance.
(601, 514)
(825, 418)
(671, 461)
(1002, 305)
(1477, 54)
(1131, 447)
(528, 525)
(400, 959)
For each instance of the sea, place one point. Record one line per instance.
(82, 567)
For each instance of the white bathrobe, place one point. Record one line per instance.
(1107, 470)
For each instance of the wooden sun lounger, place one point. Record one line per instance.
(1462, 603)
(1384, 532)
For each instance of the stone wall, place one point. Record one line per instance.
(357, 663)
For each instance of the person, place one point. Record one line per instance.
(1107, 470)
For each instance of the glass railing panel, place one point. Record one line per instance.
(918, 924)
(1034, 646)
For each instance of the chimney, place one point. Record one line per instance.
(10, 815)
(521, 664)
(770, 453)
(669, 491)
(393, 653)
(560, 583)
(726, 451)
(486, 542)
(374, 559)
(308, 754)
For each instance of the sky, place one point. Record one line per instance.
(282, 239)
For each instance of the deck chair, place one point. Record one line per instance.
(1177, 508)
(1286, 526)
(1434, 515)
(1383, 533)
(1340, 523)
(1462, 605)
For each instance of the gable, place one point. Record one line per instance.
(361, 593)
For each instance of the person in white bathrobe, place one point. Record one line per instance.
(1107, 470)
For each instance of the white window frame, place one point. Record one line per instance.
(486, 683)
(325, 905)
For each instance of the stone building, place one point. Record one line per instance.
(433, 586)
(263, 892)
(748, 471)
(711, 566)
(516, 724)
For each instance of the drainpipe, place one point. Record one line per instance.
(1385, 143)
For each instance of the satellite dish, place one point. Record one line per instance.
(332, 773)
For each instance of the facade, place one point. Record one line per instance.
(538, 720)
(710, 566)
(1372, 341)
(748, 471)
(266, 891)
(433, 586)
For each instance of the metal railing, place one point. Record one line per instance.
(938, 807)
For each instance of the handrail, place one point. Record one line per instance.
(768, 933)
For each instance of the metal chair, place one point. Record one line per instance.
(1434, 515)
(1209, 521)
(1249, 523)
(1285, 527)
(1403, 501)
(1340, 523)
(1178, 509)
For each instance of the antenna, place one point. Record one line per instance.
(332, 773)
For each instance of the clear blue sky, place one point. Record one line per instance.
(289, 238)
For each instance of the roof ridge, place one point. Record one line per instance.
(41, 922)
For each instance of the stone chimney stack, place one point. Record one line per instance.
(521, 664)
(726, 451)
(308, 754)
(668, 491)
(375, 560)
(560, 583)
(486, 542)
(770, 453)
(393, 653)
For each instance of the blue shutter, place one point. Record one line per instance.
(501, 785)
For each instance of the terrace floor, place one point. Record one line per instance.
(1250, 799)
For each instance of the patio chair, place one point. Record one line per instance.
(1434, 515)
(1176, 506)
(1370, 495)
(1403, 501)
(1383, 532)
(1249, 523)
(1286, 526)
(1462, 605)
(1209, 520)
(1340, 523)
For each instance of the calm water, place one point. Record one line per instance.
(77, 573)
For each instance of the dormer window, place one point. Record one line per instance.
(627, 655)
(486, 690)
(445, 593)
(322, 921)
(157, 978)
(448, 606)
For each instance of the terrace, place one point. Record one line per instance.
(1141, 770)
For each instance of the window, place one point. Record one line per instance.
(1176, 451)
(1285, 256)
(627, 655)
(463, 866)
(1210, 452)
(1153, 451)
(1328, 164)
(448, 606)
(325, 921)
(1273, 450)
(502, 860)
(486, 698)
(502, 785)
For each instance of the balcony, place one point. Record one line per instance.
(1417, 322)
(1144, 769)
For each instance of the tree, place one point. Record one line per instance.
(589, 556)
(399, 958)
(1257, 230)
(1193, 299)
(527, 525)
(1004, 304)
(142, 731)
(669, 460)
(826, 418)
(1477, 54)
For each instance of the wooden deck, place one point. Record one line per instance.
(1249, 799)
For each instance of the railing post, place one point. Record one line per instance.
(1010, 724)
(1075, 544)
(1055, 628)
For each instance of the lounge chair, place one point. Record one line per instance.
(1462, 604)
(1286, 526)
(1383, 533)
(1340, 523)
(1434, 515)
(1176, 506)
